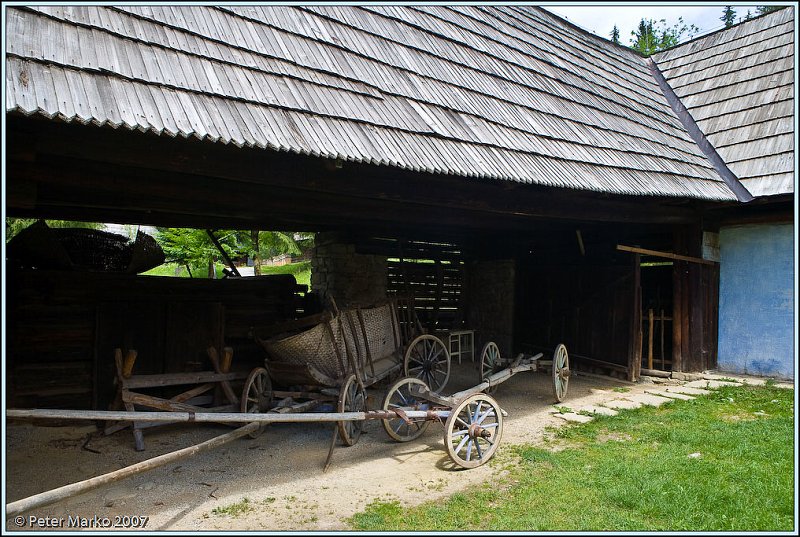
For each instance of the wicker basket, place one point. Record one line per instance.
(313, 346)
(317, 348)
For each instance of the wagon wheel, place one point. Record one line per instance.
(351, 399)
(427, 359)
(257, 395)
(473, 431)
(490, 359)
(399, 396)
(560, 372)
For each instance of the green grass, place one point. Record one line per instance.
(634, 472)
(301, 271)
(233, 510)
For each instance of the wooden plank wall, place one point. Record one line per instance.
(63, 327)
(589, 308)
(431, 272)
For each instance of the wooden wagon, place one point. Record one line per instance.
(333, 357)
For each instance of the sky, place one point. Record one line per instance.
(601, 18)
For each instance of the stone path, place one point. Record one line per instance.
(685, 388)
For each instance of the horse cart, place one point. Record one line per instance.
(332, 363)
(330, 359)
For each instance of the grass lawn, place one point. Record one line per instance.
(301, 271)
(722, 462)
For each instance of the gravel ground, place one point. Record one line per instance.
(279, 473)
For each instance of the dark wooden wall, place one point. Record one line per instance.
(587, 307)
(63, 327)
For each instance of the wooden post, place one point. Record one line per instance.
(127, 365)
(213, 356)
(635, 346)
(677, 305)
(661, 320)
(68, 491)
(227, 359)
(650, 325)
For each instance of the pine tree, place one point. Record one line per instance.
(615, 35)
(728, 16)
(651, 37)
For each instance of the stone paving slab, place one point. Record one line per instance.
(687, 390)
(649, 399)
(621, 404)
(710, 384)
(601, 410)
(671, 395)
(573, 417)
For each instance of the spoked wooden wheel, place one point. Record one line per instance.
(399, 396)
(490, 360)
(351, 399)
(560, 372)
(428, 360)
(473, 431)
(256, 396)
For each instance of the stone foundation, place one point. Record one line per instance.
(352, 279)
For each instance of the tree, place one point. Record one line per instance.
(651, 36)
(763, 10)
(615, 35)
(728, 16)
(264, 244)
(194, 248)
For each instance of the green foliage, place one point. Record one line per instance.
(728, 16)
(651, 36)
(234, 510)
(615, 35)
(301, 271)
(15, 225)
(194, 248)
(763, 10)
(723, 462)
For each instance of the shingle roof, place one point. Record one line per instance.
(506, 93)
(738, 85)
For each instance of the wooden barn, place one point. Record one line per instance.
(519, 177)
(738, 85)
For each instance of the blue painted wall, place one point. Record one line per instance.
(756, 300)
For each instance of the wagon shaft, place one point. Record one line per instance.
(225, 417)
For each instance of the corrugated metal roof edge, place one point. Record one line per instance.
(76, 119)
(742, 194)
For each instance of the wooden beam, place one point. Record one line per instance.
(667, 255)
(441, 194)
(68, 491)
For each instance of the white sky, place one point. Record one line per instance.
(601, 18)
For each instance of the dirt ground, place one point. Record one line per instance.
(279, 473)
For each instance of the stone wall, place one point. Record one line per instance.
(490, 288)
(352, 279)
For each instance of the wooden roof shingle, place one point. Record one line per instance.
(492, 92)
(738, 85)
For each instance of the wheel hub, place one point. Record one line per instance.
(476, 431)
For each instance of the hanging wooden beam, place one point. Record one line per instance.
(223, 252)
(668, 255)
